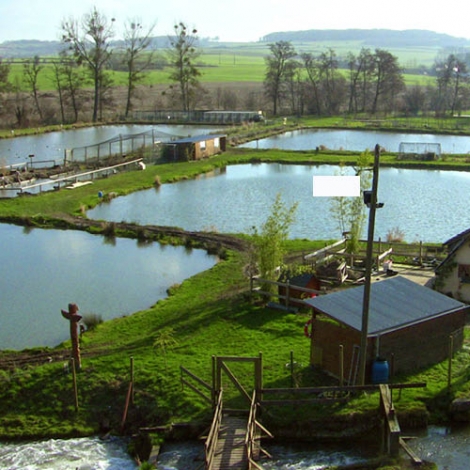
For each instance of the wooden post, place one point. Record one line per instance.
(213, 391)
(259, 376)
(74, 380)
(287, 293)
(449, 371)
(292, 369)
(74, 318)
(341, 365)
(132, 379)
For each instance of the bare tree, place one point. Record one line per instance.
(58, 80)
(68, 79)
(5, 85)
(136, 42)
(89, 43)
(312, 67)
(182, 56)
(280, 68)
(361, 70)
(388, 79)
(31, 69)
(451, 75)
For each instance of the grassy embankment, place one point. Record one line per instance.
(209, 314)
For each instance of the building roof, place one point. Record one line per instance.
(453, 245)
(197, 138)
(395, 303)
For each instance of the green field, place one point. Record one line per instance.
(237, 62)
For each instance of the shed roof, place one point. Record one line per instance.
(197, 138)
(394, 304)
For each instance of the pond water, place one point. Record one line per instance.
(448, 449)
(426, 205)
(45, 270)
(357, 140)
(52, 145)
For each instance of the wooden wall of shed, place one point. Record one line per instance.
(327, 337)
(414, 347)
(210, 148)
(423, 344)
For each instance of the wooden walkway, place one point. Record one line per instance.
(230, 453)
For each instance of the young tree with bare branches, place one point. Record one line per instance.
(182, 56)
(137, 40)
(90, 43)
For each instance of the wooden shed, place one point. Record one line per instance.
(409, 321)
(304, 281)
(195, 147)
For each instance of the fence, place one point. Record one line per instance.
(285, 296)
(76, 179)
(117, 146)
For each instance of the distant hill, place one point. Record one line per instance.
(380, 38)
(27, 48)
(372, 38)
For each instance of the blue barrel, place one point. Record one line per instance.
(380, 371)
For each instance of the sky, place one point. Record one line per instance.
(235, 20)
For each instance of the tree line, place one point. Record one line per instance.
(369, 82)
(87, 57)
(365, 83)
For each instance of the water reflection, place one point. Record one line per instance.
(45, 270)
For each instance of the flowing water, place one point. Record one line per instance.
(449, 449)
(69, 454)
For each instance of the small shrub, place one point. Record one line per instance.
(172, 289)
(147, 466)
(395, 235)
(109, 229)
(92, 320)
(157, 181)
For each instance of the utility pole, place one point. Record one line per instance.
(370, 198)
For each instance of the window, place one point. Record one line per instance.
(202, 145)
(216, 142)
(464, 273)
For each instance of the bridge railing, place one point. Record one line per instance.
(211, 441)
(252, 444)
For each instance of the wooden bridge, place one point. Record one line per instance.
(233, 442)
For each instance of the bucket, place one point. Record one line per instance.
(380, 371)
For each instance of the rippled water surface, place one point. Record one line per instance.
(426, 205)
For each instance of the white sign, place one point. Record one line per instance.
(336, 186)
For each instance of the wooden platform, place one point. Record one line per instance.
(230, 452)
